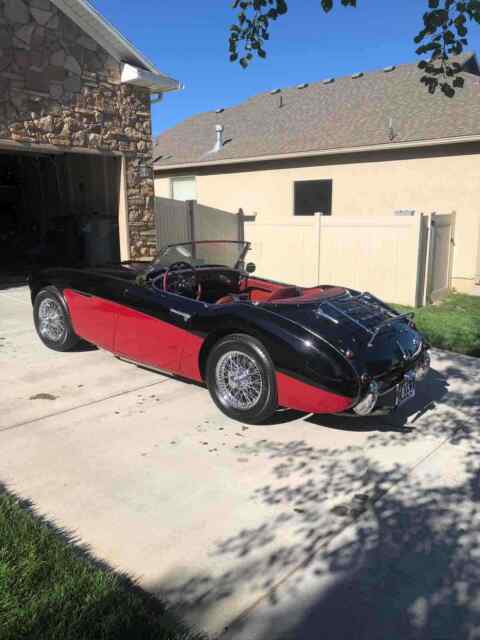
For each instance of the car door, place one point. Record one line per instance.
(93, 308)
(153, 327)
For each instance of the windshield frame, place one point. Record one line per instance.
(240, 260)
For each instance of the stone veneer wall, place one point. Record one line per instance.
(57, 86)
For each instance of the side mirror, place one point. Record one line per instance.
(250, 268)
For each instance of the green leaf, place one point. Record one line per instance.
(447, 89)
(327, 5)
(262, 53)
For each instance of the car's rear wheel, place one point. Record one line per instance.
(241, 379)
(52, 321)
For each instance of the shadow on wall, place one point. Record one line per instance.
(380, 552)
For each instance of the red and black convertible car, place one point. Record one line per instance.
(198, 313)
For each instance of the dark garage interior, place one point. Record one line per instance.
(57, 209)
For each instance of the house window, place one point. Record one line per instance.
(312, 196)
(184, 188)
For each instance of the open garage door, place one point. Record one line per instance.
(57, 210)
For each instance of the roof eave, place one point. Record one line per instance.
(325, 152)
(99, 29)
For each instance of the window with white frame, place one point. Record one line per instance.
(183, 188)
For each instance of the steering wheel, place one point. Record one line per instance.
(184, 285)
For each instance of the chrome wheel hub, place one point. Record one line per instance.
(51, 320)
(239, 380)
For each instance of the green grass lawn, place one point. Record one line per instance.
(49, 590)
(452, 324)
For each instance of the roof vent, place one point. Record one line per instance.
(274, 91)
(303, 85)
(219, 141)
(390, 68)
(328, 80)
(357, 75)
(221, 110)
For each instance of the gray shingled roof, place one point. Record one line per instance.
(348, 113)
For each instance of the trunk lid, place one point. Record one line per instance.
(380, 340)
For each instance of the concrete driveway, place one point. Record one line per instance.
(309, 527)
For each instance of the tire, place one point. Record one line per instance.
(256, 400)
(52, 321)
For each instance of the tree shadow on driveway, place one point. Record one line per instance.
(410, 567)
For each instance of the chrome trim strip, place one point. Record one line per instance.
(182, 314)
(322, 314)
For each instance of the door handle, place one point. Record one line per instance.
(185, 316)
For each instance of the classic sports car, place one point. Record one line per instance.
(195, 311)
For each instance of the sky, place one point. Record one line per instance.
(188, 40)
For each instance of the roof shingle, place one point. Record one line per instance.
(377, 108)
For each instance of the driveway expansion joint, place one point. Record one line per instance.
(81, 406)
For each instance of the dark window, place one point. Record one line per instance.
(312, 196)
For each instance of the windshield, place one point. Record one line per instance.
(222, 253)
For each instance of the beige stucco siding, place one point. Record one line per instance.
(440, 180)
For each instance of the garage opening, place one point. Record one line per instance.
(57, 209)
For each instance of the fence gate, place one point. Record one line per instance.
(178, 221)
(440, 246)
(173, 222)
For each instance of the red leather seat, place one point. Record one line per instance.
(284, 292)
(225, 300)
(312, 295)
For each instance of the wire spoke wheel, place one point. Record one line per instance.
(51, 320)
(239, 380)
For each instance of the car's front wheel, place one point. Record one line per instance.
(52, 321)
(241, 379)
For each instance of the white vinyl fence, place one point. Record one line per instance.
(405, 259)
(386, 255)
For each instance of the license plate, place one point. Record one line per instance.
(405, 390)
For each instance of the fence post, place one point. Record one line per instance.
(190, 209)
(430, 258)
(452, 248)
(241, 230)
(318, 236)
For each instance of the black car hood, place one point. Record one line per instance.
(396, 345)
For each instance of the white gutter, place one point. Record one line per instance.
(155, 82)
(325, 152)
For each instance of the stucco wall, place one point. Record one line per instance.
(58, 87)
(370, 185)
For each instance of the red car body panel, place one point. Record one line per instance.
(294, 394)
(93, 318)
(135, 335)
